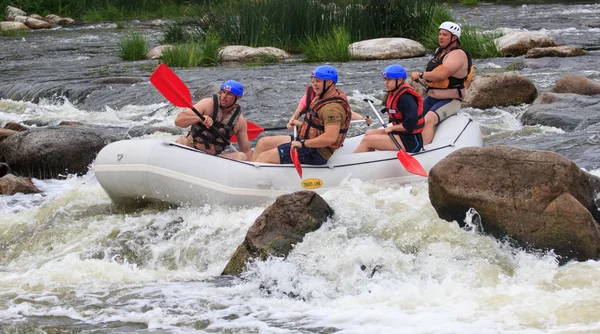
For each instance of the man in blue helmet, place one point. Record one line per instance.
(222, 119)
(405, 111)
(448, 74)
(323, 130)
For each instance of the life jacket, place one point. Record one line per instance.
(450, 82)
(225, 126)
(313, 127)
(396, 117)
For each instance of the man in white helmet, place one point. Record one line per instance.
(447, 74)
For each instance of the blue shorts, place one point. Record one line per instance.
(306, 155)
(442, 108)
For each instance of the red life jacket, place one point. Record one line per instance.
(313, 127)
(396, 117)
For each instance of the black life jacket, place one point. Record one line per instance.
(225, 126)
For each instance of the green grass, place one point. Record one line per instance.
(469, 2)
(13, 33)
(328, 47)
(193, 54)
(133, 46)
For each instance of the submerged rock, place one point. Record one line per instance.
(279, 228)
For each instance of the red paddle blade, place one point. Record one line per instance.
(411, 164)
(296, 161)
(253, 132)
(171, 87)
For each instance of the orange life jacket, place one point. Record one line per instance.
(313, 127)
(451, 82)
(396, 117)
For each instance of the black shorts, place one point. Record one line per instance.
(412, 143)
(306, 155)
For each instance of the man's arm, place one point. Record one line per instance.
(241, 132)
(188, 117)
(452, 63)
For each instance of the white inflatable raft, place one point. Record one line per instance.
(135, 172)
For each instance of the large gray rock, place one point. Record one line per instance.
(569, 112)
(10, 25)
(57, 150)
(279, 228)
(503, 89)
(540, 199)
(386, 48)
(11, 12)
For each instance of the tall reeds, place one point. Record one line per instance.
(133, 46)
(332, 46)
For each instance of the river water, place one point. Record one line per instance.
(385, 263)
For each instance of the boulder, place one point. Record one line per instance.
(10, 185)
(386, 48)
(279, 228)
(4, 169)
(55, 19)
(11, 12)
(569, 112)
(539, 199)
(6, 26)
(576, 84)
(156, 53)
(37, 24)
(502, 89)
(517, 43)
(555, 51)
(241, 53)
(57, 150)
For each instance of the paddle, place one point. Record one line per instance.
(294, 155)
(409, 162)
(255, 130)
(175, 90)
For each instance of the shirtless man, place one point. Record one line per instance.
(446, 75)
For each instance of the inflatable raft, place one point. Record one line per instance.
(138, 172)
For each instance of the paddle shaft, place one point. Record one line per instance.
(384, 124)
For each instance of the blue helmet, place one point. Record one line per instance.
(233, 87)
(394, 71)
(325, 72)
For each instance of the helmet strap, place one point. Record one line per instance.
(325, 89)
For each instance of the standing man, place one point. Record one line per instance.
(446, 75)
(323, 130)
(222, 119)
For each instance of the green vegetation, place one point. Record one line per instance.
(469, 2)
(12, 33)
(193, 54)
(329, 47)
(133, 46)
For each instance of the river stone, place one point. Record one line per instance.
(386, 48)
(539, 199)
(55, 19)
(555, 51)
(57, 150)
(37, 24)
(241, 53)
(15, 126)
(517, 43)
(279, 228)
(569, 112)
(576, 84)
(11, 12)
(500, 89)
(6, 26)
(156, 52)
(10, 185)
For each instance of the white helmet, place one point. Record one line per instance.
(452, 27)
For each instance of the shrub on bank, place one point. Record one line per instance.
(328, 47)
(133, 46)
